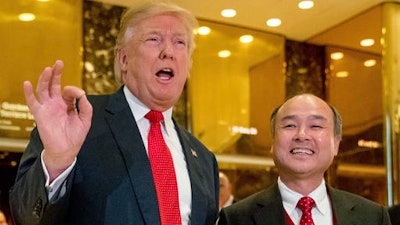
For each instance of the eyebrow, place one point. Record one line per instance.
(313, 117)
(159, 32)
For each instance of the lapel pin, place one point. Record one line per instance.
(194, 153)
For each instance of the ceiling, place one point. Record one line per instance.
(297, 24)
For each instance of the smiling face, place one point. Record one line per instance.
(155, 60)
(304, 144)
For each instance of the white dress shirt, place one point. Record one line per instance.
(321, 213)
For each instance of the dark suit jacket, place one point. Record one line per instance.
(265, 207)
(394, 213)
(111, 183)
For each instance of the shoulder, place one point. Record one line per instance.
(101, 101)
(98, 99)
(257, 200)
(111, 103)
(343, 201)
(341, 195)
(262, 207)
(363, 211)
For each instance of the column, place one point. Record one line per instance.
(391, 96)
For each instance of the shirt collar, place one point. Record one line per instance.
(321, 198)
(290, 197)
(139, 109)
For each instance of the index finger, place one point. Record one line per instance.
(30, 98)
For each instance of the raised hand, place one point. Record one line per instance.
(61, 128)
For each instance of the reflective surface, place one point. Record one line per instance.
(29, 46)
(220, 88)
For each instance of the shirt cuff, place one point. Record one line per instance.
(59, 181)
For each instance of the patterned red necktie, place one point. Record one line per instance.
(306, 204)
(163, 171)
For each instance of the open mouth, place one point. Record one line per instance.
(302, 151)
(165, 74)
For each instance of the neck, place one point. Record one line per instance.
(302, 186)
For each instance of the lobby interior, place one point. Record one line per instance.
(227, 100)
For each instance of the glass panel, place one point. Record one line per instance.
(222, 90)
(355, 89)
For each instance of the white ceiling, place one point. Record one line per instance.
(297, 24)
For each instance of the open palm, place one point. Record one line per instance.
(61, 127)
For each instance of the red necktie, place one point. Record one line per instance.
(306, 204)
(163, 171)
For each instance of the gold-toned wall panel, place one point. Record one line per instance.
(219, 88)
(27, 47)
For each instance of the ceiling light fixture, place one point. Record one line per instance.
(203, 30)
(369, 62)
(306, 4)
(367, 42)
(274, 22)
(246, 38)
(228, 13)
(342, 74)
(26, 17)
(336, 55)
(224, 53)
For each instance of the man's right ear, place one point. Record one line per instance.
(122, 59)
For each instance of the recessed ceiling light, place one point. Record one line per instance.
(336, 55)
(203, 30)
(224, 53)
(43, 0)
(228, 13)
(246, 38)
(367, 42)
(369, 62)
(26, 16)
(342, 74)
(274, 22)
(306, 4)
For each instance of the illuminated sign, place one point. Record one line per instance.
(15, 120)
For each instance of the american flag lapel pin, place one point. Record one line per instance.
(194, 153)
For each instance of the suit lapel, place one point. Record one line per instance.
(271, 210)
(343, 208)
(199, 203)
(127, 136)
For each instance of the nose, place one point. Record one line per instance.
(301, 134)
(167, 51)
